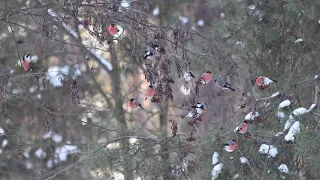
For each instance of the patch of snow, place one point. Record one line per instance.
(1, 130)
(316, 76)
(26, 154)
(133, 140)
(34, 58)
(5, 143)
(275, 94)
(200, 22)
(11, 71)
(216, 170)
(40, 153)
(29, 165)
(251, 116)
(1, 151)
(49, 164)
(54, 72)
(38, 96)
(32, 89)
(243, 160)
(298, 40)
(222, 15)
(299, 111)
(215, 158)
(294, 129)
(64, 151)
(55, 137)
(184, 19)
(125, 4)
(289, 122)
(281, 115)
(284, 103)
(270, 150)
(156, 11)
(252, 7)
(279, 133)
(102, 59)
(283, 168)
(312, 107)
(184, 90)
(236, 176)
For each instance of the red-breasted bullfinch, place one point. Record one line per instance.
(113, 30)
(231, 145)
(134, 104)
(200, 107)
(85, 22)
(263, 82)
(242, 128)
(150, 92)
(151, 51)
(188, 76)
(26, 62)
(223, 84)
(206, 78)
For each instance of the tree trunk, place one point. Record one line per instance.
(119, 111)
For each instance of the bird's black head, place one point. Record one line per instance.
(190, 73)
(233, 140)
(112, 25)
(209, 72)
(245, 121)
(150, 86)
(132, 99)
(215, 80)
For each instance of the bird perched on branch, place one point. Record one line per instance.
(200, 108)
(151, 51)
(28, 65)
(150, 92)
(242, 128)
(134, 104)
(263, 82)
(188, 76)
(205, 78)
(113, 30)
(231, 145)
(223, 84)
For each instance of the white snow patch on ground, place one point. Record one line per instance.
(215, 158)
(283, 168)
(298, 40)
(64, 151)
(243, 160)
(54, 72)
(284, 103)
(252, 7)
(184, 19)
(216, 170)
(200, 22)
(26, 154)
(294, 129)
(281, 115)
(55, 137)
(270, 150)
(5, 143)
(49, 164)
(40, 153)
(251, 115)
(156, 11)
(1, 130)
(102, 59)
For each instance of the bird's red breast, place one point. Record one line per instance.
(231, 147)
(259, 81)
(207, 77)
(151, 92)
(113, 30)
(133, 106)
(244, 127)
(26, 65)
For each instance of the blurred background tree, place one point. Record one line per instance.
(69, 119)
